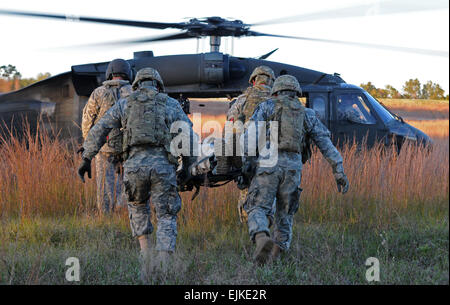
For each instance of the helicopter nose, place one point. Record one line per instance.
(424, 139)
(421, 137)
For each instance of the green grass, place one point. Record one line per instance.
(410, 251)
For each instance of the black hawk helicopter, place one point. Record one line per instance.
(61, 98)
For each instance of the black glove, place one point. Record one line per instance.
(342, 182)
(248, 169)
(242, 183)
(84, 167)
(80, 150)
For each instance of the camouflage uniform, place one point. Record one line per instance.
(282, 181)
(107, 164)
(147, 170)
(242, 110)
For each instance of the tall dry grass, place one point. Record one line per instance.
(417, 105)
(38, 178)
(437, 129)
(383, 185)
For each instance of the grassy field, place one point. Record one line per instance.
(425, 105)
(396, 210)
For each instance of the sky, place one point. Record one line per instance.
(41, 45)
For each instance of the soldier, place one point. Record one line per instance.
(261, 81)
(282, 181)
(107, 163)
(146, 117)
(346, 111)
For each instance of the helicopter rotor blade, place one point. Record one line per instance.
(140, 24)
(173, 36)
(385, 7)
(359, 44)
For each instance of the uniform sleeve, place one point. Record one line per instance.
(90, 112)
(321, 137)
(236, 109)
(96, 136)
(176, 113)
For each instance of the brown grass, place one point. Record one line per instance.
(396, 210)
(384, 185)
(417, 105)
(38, 177)
(437, 129)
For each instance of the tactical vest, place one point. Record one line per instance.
(254, 96)
(112, 93)
(146, 120)
(108, 98)
(290, 115)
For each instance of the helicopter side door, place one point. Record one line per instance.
(353, 119)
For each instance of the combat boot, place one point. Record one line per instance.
(264, 246)
(275, 253)
(144, 242)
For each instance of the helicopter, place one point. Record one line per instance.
(61, 98)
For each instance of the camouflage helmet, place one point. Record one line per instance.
(119, 66)
(149, 74)
(262, 70)
(286, 82)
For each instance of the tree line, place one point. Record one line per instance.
(412, 89)
(11, 79)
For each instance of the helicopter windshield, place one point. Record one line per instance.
(384, 114)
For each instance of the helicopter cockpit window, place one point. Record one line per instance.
(352, 107)
(318, 104)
